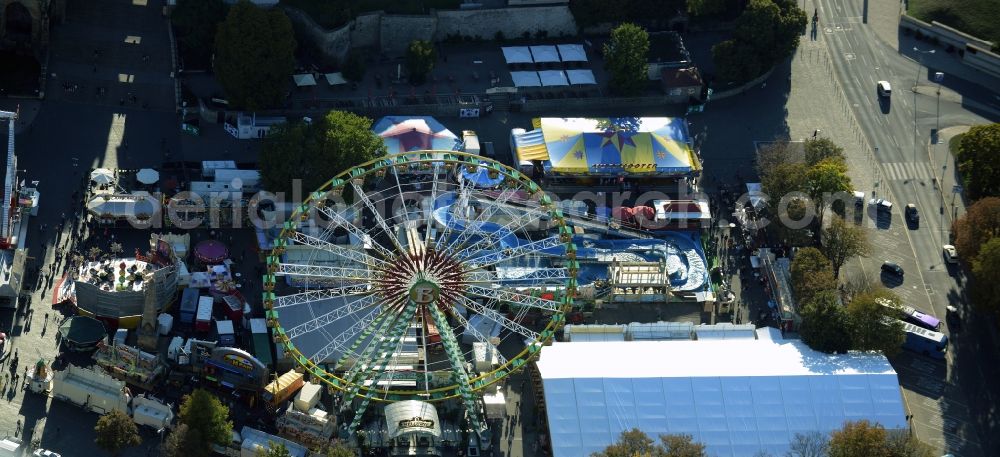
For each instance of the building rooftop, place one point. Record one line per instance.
(738, 397)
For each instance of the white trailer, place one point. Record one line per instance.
(91, 390)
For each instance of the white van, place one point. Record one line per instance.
(884, 89)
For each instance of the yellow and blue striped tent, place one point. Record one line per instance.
(609, 146)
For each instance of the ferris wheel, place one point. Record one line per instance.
(405, 270)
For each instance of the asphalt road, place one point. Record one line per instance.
(898, 132)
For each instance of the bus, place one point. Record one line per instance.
(912, 315)
(924, 341)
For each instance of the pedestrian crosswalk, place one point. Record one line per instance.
(902, 171)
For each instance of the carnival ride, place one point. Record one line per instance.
(430, 248)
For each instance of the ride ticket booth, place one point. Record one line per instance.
(413, 429)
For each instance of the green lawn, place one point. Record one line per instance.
(978, 18)
(335, 13)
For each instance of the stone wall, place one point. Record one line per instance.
(513, 22)
(396, 32)
(975, 51)
(391, 34)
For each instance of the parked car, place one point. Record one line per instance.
(950, 254)
(881, 204)
(954, 320)
(884, 89)
(892, 268)
(45, 453)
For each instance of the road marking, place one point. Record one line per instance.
(850, 56)
(903, 171)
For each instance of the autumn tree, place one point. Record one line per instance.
(255, 56)
(978, 161)
(873, 326)
(420, 59)
(626, 59)
(872, 440)
(986, 271)
(980, 224)
(859, 438)
(843, 240)
(274, 450)
(825, 326)
(827, 177)
(336, 449)
(819, 149)
(316, 151)
(207, 421)
(811, 273)
(116, 431)
(635, 442)
(812, 444)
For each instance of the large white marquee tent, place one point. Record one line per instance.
(738, 396)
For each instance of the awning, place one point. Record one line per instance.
(525, 78)
(414, 133)
(412, 417)
(303, 80)
(572, 53)
(516, 54)
(102, 176)
(335, 79)
(147, 176)
(530, 146)
(550, 78)
(542, 54)
(580, 77)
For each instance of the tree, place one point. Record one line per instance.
(636, 443)
(625, 57)
(115, 431)
(682, 446)
(196, 22)
(766, 32)
(978, 161)
(825, 326)
(254, 56)
(859, 438)
(819, 149)
(784, 179)
(94, 252)
(207, 421)
(274, 450)
(902, 443)
(772, 154)
(986, 271)
(827, 177)
(317, 151)
(870, 330)
(812, 444)
(843, 240)
(336, 449)
(735, 61)
(707, 7)
(980, 223)
(420, 58)
(176, 444)
(811, 274)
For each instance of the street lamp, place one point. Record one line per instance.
(938, 77)
(916, 81)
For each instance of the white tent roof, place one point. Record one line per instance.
(581, 77)
(572, 53)
(147, 176)
(335, 79)
(525, 78)
(305, 79)
(516, 54)
(545, 53)
(553, 78)
(736, 396)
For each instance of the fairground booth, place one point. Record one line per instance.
(606, 151)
